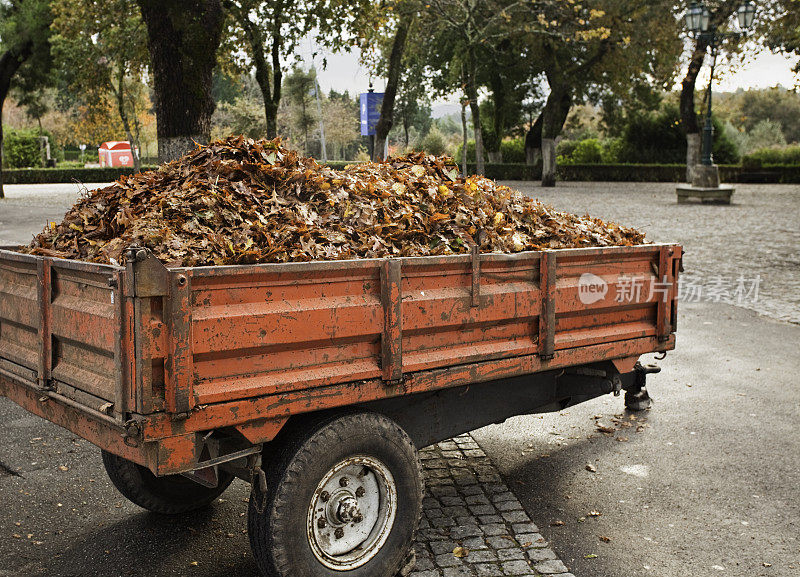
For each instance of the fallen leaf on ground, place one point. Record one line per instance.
(460, 552)
(591, 468)
(605, 539)
(594, 514)
(556, 523)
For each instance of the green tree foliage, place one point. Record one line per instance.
(22, 149)
(100, 48)
(658, 137)
(749, 108)
(340, 115)
(24, 51)
(433, 143)
(301, 86)
(788, 156)
(781, 27)
(264, 35)
(607, 43)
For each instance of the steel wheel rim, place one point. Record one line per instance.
(351, 513)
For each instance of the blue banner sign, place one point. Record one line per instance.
(370, 111)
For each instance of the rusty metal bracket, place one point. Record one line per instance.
(547, 318)
(258, 483)
(476, 275)
(133, 433)
(179, 381)
(392, 336)
(149, 276)
(664, 277)
(45, 296)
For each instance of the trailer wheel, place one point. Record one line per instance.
(169, 495)
(343, 498)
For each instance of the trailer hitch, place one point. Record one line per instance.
(636, 397)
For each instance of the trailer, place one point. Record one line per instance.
(317, 381)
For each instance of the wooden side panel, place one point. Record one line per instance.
(608, 296)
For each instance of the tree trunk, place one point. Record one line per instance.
(2, 192)
(494, 138)
(687, 107)
(10, 61)
(123, 115)
(183, 38)
(265, 72)
(472, 95)
(533, 142)
(464, 137)
(555, 114)
(385, 121)
(549, 162)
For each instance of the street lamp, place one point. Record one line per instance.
(697, 17)
(745, 14)
(698, 21)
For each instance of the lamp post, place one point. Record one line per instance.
(698, 21)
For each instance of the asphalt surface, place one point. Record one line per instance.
(706, 483)
(710, 485)
(27, 208)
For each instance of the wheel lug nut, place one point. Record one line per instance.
(324, 496)
(360, 492)
(339, 533)
(343, 482)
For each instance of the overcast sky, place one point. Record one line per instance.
(761, 71)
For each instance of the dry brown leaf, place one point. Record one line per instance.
(240, 201)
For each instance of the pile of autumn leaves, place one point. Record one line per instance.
(240, 200)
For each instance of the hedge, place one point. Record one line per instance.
(786, 174)
(57, 175)
(789, 174)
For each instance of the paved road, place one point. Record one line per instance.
(27, 208)
(709, 484)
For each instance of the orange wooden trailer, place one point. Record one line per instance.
(196, 375)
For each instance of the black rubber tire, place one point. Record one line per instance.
(278, 534)
(170, 495)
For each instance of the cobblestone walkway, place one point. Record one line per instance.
(472, 525)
